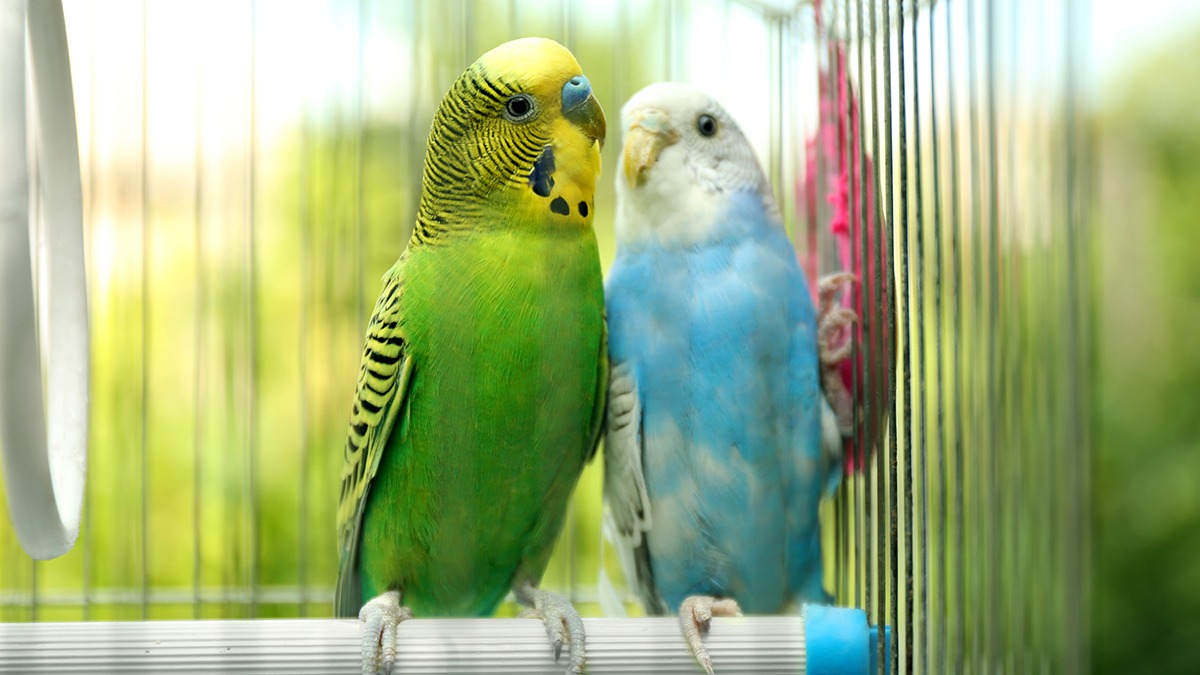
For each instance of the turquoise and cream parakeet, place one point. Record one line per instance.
(719, 443)
(482, 386)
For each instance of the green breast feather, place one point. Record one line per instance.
(498, 343)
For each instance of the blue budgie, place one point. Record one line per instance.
(719, 441)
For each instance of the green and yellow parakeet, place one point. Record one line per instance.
(483, 379)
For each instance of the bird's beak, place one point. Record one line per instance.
(649, 134)
(582, 109)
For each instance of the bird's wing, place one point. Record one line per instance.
(380, 398)
(831, 447)
(626, 504)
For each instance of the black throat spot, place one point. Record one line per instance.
(560, 206)
(541, 178)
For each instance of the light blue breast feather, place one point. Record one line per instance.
(722, 340)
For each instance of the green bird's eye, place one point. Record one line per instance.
(519, 108)
(706, 125)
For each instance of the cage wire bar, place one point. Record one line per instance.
(234, 252)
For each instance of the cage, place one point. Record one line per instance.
(249, 170)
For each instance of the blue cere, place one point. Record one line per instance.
(575, 92)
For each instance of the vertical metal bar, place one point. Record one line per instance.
(1058, 437)
(672, 39)
(980, 565)
(464, 35)
(568, 33)
(1012, 359)
(360, 234)
(853, 187)
(870, 351)
(994, 377)
(1078, 523)
(303, 186)
(145, 328)
(814, 215)
(918, 455)
(936, 644)
(416, 138)
(833, 44)
(903, 456)
(252, 320)
(818, 238)
(871, 492)
(620, 54)
(200, 300)
(1055, 438)
(825, 161)
(1066, 371)
(1085, 199)
(1029, 529)
(1033, 410)
(1041, 358)
(893, 540)
(958, 619)
(121, 479)
(884, 178)
(775, 154)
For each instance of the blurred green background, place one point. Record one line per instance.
(1146, 487)
(218, 417)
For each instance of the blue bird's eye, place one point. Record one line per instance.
(519, 108)
(706, 125)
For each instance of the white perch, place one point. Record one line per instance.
(759, 645)
(763, 645)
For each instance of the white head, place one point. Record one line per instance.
(683, 157)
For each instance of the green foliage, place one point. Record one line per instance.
(1147, 473)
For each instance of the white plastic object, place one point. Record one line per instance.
(43, 437)
(738, 646)
(819, 640)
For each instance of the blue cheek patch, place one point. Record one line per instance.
(541, 178)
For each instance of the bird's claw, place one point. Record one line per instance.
(380, 616)
(832, 319)
(563, 623)
(695, 616)
(834, 345)
(830, 285)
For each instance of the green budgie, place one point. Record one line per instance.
(483, 379)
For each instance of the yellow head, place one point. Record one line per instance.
(520, 129)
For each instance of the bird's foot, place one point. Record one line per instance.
(832, 319)
(695, 616)
(834, 346)
(380, 617)
(563, 623)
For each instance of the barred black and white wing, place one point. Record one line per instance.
(379, 400)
